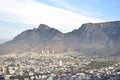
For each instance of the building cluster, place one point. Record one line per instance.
(57, 66)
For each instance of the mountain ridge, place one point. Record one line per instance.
(89, 38)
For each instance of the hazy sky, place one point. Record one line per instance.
(64, 15)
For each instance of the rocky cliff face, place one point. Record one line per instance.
(99, 37)
(89, 38)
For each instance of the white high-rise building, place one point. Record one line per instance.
(42, 51)
(4, 70)
(48, 52)
(60, 63)
(53, 51)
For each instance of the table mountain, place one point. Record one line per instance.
(91, 38)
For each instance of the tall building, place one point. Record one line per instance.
(42, 51)
(60, 63)
(53, 51)
(48, 51)
(4, 70)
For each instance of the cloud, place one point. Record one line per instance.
(34, 13)
(70, 7)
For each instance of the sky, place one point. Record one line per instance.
(64, 15)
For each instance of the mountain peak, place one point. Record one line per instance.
(90, 38)
(43, 27)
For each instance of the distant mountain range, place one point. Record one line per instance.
(90, 38)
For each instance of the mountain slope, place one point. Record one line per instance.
(99, 37)
(92, 38)
(42, 38)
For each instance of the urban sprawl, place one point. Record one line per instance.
(58, 66)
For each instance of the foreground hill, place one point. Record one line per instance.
(92, 38)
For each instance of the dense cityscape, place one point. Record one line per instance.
(58, 66)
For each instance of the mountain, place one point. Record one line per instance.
(98, 37)
(42, 38)
(90, 38)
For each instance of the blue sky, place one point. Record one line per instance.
(102, 9)
(64, 15)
